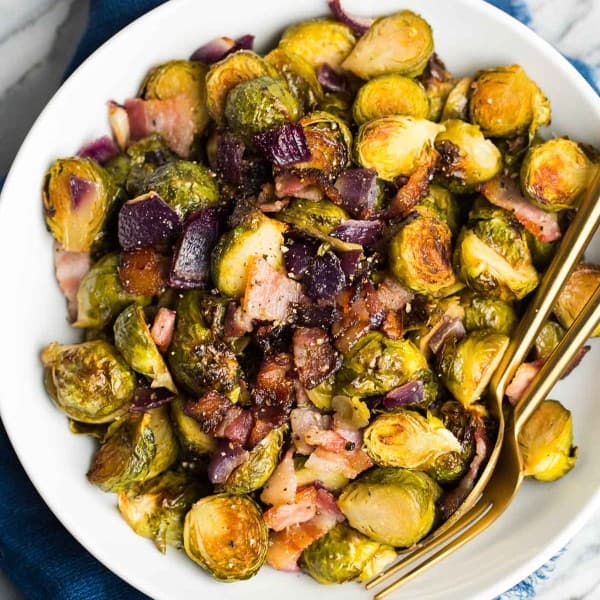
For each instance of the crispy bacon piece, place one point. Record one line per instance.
(237, 322)
(303, 508)
(281, 486)
(287, 184)
(238, 429)
(232, 413)
(349, 463)
(163, 328)
(314, 357)
(303, 420)
(70, 268)
(209, 410)
(505, 192)
(143, 271)
(328, 439)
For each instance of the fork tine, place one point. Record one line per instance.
(463, 522)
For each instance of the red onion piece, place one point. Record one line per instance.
(409, 393)
(225, 460)
(298, 259)
(453, 328)
(324, 277)
(147, 398)
(332, 81)
(145, 221)
(351, 263)
(230, 150)
(364, 233)
(359, 25)
(358, 191)
(314, 315)
(191, 260)
(220, 47)
(245, 42)
(82, 191)
(100, 150)
(285, 145)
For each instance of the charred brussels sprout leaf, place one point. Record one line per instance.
(420, 256)
(547, 339)
(376, 364)
(400, 43)
(134, 342)
(142, 447)
(391, 506)
(466, 157)
(393, 145)
(78, 195)
(390, 95)
(226, 535)
(555, 174)
(90, 382)
(406, 439)
(189, 432)
(185, 186)
(466, 367)
(101, 296)
(322, 395)
(457, 102)
(319, 41)
(546, 442)
(156, 508)
(482, 312)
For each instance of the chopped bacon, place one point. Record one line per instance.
(173, 118)
(209, 410)
(303, 420)
(314, 357)
(328, 439)
(238, 430)
(163, 328)
(281, 486)
(287, 184)
(274, 206)
(521, 380)
(349, 463)
(303, 508)
(505, 192)
(351, 434)
(70, 268)
(232, 413)
(392, 295)
(237, 322)
(119, 124)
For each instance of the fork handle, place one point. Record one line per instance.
(577, 237)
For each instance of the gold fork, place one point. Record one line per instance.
(576, 239)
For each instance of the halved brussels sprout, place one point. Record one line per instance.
(313, 217)
(438, 83)
(466, 157)
(90, 382)
(351, 410)
(322, 395)
(393, 145)
(492, 256)
(142, 447)
(420, 256)
(580, 286)
(391, 506)
(400, 43)
(555, 174)
(390, 95)
(542, 253)
(466, 366)
(134, 342)
(259, 104)
(376, 365)
(384, 557)
(144, 157)
(256, 235)
(224, 75)
(185, 186)
(482, 312)
(505, 102)
(546, 442)
(101, 296)
(441, 203)
(156, 508)
(457, 102)
(319, 41)
(547, 339)
(177, 77)
(78, 195)
(255, 472)
(337, 104)
(406, 439)
(339, 556)
(189, 432)
(226, 535)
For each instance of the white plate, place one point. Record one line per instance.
(469, 34)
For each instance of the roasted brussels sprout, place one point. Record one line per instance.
(322, 395)
(482, 312)
(390, 95)
(313, 217)
(134, 342)
(505, 103)
(90, 382)
(198, 361)
(542, 253)
(351, 410)
(466, 157)
(420, 256)
(101, 296)
(547, 339)
(339, 556)
(78, 195)
(224, 75)
(185, 186)
(319, 41)
(492, 256)
(189, 432)
(337, 104)
(259, 104)
(580, 286)
(555, 174)
(256, 235)
(156, 508)
(441, 203)
(255, 472)
(466, 366)
(438, 83)
(226, 535)
(400, 43)
(394, 144)
(142, 447)
(546, 442)
(376, 364)
(144, 156)
(332, 480)
(457, 102)
(384, 557)
(406, 439)
(391, 506)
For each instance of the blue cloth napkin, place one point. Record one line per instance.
(42, 559)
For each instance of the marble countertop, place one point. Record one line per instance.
(37, 39)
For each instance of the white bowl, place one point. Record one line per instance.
(469, 34)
